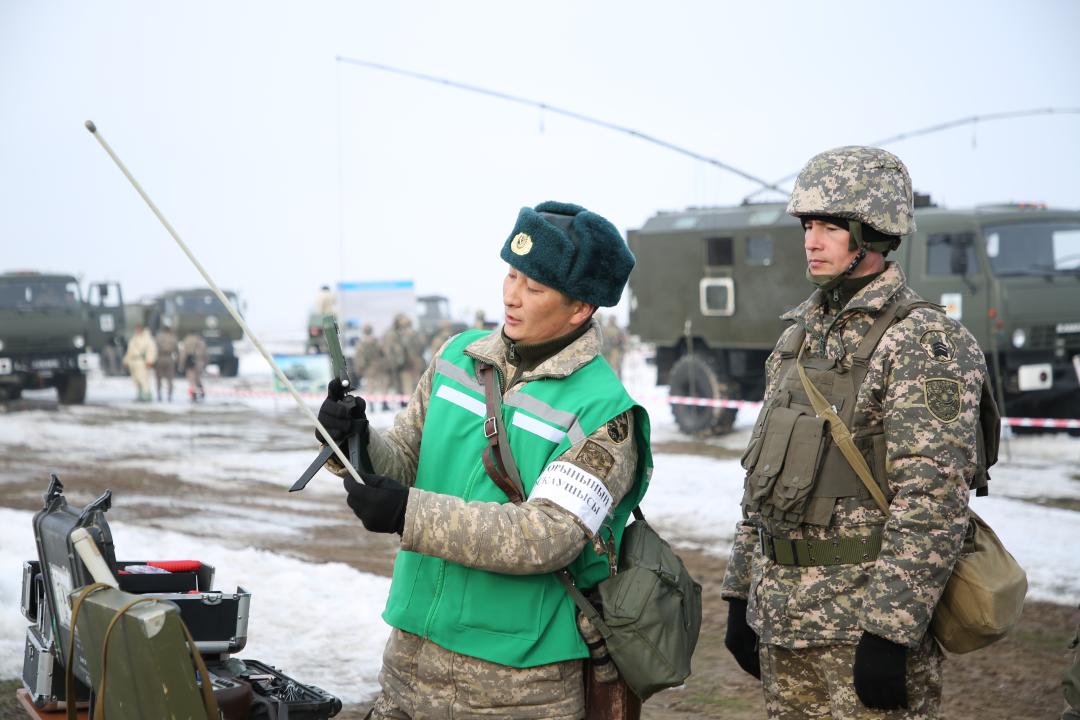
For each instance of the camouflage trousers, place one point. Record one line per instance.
(421, 680)
(817, 683)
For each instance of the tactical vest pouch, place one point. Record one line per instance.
(782, 474)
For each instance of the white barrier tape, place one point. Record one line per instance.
(710, 402)
(1058, 423)
(234, 392)
(1041, 422)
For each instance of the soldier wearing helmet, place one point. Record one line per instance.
(830, 590)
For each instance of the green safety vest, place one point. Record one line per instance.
(515, 620)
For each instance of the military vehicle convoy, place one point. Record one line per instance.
(711, 283)
(43, 336)
(194, 311)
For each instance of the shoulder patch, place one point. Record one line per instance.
(938, 346)
(618, 428)
(593, 457)
(942, 398)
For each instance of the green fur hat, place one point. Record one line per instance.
(573, 250)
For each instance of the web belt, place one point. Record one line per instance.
(809, 553)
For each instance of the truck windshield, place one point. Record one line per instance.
(202, 303)
(1041, 248)
(39, 294)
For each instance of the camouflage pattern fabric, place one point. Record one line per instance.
(533, 537)
(421, 680)
(930, 457)
(1071, 681)
(858, 183)
(816, 683)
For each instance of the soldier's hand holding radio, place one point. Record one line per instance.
(342, 415)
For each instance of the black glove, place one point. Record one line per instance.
(379, 503)
(342, 415)
(880, 673)
(740, 639)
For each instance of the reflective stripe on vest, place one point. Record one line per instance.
(516, 620)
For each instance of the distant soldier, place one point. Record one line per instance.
(614, 345)
(165, 367)
(325, 301)
(395, 355)
(442, 334)
(141, 354)
(366, 357)
(479, 321)
(193, 358)
(1071, 681)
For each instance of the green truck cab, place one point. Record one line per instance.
(194, 311)
(106, 333)
(711, 283)
(43, 335)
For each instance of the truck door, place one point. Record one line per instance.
(945, 267)
(105, 333)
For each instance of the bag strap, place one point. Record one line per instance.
(498, 459)
(69, 671)
(841, 435)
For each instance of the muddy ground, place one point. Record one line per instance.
(1019, 677)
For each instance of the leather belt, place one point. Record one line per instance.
(804, 552)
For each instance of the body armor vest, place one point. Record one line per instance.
(795, 473)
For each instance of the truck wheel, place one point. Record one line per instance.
(229, 366)
(692, 376)
(10, 392)
(72, 389)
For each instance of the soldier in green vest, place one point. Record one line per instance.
(482, 627)
(830, 598)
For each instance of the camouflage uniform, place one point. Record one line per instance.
(614, 345)
(165, 367)
(366, 358)
(421, 679)
(1071, 681)
(193, 357)
(809, 618)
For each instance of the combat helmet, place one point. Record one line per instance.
(869, 187)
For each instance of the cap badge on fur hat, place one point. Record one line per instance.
(521, 244)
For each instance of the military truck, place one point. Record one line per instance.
(711, 283)
(106, 333)
(43, 328)
(194, 311)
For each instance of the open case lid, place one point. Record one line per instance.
(62, 569)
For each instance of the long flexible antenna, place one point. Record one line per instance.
(225, 301)
(970, 120)
(564, 112)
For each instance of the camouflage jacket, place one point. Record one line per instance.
(929, 463)
(533, 537)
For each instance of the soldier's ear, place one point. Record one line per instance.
(582, 313)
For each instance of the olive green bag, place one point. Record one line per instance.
(650, 611)
(984, 596)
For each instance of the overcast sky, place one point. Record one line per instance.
(284, 169)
